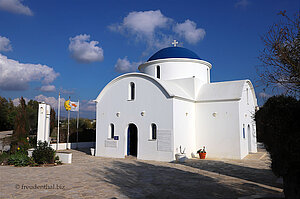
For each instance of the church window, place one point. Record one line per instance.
(131, 93)
(158, 72)
(244, 136)
(111, 131)
(207, 76)
(153, 131)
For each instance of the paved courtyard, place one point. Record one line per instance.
(95, 177)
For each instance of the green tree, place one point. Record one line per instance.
(278, 126)
(11, 116)
(21, 129)
(52, 120)
(7, 114)
(32, 114)
(281, 54)
(3, 114)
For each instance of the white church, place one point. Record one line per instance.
(171, 103)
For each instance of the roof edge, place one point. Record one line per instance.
(164, 89)
(174, 60)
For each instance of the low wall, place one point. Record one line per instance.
(74, 145)
(65, 157)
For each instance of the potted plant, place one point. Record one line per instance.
(202, 153)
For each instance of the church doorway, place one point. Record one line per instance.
(132, 140)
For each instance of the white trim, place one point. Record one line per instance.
(157, 61)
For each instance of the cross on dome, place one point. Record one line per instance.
(175, 43)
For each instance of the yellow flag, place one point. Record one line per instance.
(67, 105)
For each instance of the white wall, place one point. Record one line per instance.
(43, 131)
(219, 133)
(149, 99)
(72, 145)
(184, 126)
(247, 111)
(175, 69)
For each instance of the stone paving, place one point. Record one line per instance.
(97, 177)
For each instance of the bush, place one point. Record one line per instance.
(278, 126)
(19, 145)
(4, 157)
(18, 159)
(32, 141)
(43, 154)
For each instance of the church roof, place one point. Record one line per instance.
(174, 52)
(190, 89)
(222, 91)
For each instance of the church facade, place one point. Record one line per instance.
(171, 104)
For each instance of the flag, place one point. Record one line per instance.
(74, 106)
(67, 105)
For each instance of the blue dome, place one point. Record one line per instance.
(174, 52)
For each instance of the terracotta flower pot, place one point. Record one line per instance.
(202, 155)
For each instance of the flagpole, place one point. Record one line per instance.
(77, 125)
(57, 138)
(68, 127)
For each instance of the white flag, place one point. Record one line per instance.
(74, 106)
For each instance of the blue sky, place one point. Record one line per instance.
(76, 47)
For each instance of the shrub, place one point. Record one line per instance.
(278, 125)
(32, 141)
(18, 159)
(4, 157)
(19, 145)
(43, 154)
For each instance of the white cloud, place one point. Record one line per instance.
(64, 91)
(143, 23)
(52, 101)
(48, 88)
(124, 65)
(145, 26)
(16, 76)
(241, 4)
(89, 106)
(85, 51)
(157, 30)
(15, 6)
(5, 44)
(189, 31)
(264, 95)
(16, 101)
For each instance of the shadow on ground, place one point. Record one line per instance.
(143, 180)
(262, 176)
(84, 150)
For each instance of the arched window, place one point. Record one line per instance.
(153, 131)
(208, 79)
(158, 72)
(111, 131)
(131, 93)
(244, 136)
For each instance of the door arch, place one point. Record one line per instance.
(132, 140)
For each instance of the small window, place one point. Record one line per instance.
(131, 93)
(111, 131)
(208, 79)
(153, 131)
(244, 131)
(158, 72)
